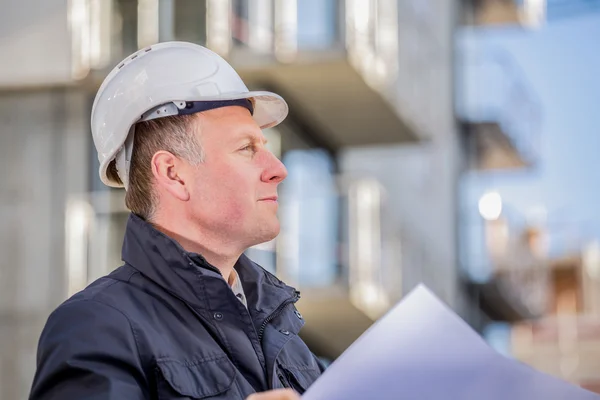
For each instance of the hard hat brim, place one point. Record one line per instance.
(270, 109)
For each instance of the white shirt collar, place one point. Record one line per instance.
(237, 288)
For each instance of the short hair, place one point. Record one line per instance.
(175, 134)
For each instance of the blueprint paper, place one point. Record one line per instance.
(422, 350)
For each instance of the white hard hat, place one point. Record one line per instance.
(159, 81)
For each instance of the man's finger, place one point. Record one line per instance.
(280, 394)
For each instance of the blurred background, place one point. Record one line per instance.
(447, 142)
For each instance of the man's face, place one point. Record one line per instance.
(234, 191)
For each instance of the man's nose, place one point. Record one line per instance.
(275, 171)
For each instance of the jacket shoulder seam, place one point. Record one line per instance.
(133, 332)
(131, 273)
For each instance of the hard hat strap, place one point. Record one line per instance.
(123, 158)
(192, 107)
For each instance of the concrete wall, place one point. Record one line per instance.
(26, 29)
(43, 153)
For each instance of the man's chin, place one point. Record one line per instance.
(266, 233)
(271, 235)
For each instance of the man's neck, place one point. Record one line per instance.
(213, 251)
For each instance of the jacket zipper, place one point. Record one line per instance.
(266, 322)
(276, 313)
(282, 380)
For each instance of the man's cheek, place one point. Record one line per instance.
(233, 214)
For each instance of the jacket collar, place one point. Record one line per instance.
(183, 274)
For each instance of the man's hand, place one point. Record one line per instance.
(280, 394)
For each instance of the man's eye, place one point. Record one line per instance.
(248, 148)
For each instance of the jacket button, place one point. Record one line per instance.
(285, 332)
(218, 316)
(298, 314)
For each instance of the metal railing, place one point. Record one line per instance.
(493, 88)
(485, 241)
(521, 257)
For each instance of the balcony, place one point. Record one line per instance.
(506, 273)
(500, 114)
(491, 13)
(524, 13)
(332, 60)
(519, 271)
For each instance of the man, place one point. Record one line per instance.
(187, 315)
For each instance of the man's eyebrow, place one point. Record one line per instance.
(252, 137)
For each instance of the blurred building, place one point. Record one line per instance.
(390, 118)
(535, 280)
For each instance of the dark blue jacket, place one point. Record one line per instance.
(166, 325)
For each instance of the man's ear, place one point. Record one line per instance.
(167, 171)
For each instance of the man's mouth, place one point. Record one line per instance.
(270, 198)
